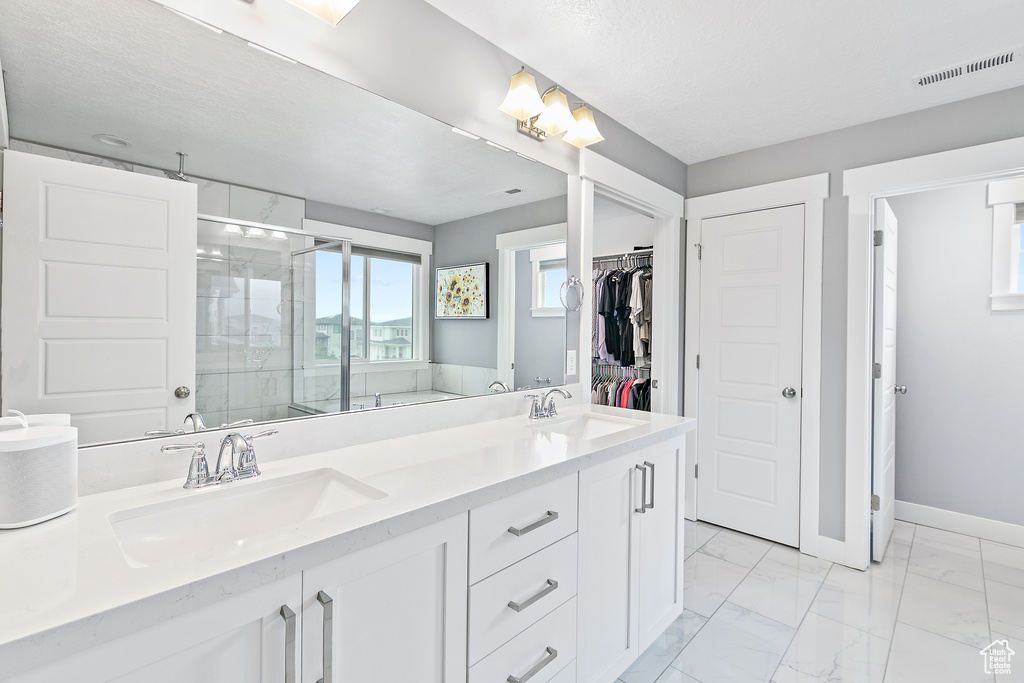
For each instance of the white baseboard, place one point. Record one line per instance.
(989, 529)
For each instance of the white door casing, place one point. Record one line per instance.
(751, 326)
(98, 309)
(883, 455)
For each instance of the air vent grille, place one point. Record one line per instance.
(973, 67)
(514, 190)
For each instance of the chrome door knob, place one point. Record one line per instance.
(900, 388)
(789, 392)
(182, 392)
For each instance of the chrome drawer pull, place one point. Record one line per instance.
(289, 643)
(547, 519)
(643, 491)
(328, 605)
(650, 506)
(551, 654)
(520, 606)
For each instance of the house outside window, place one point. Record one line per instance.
(549, 273)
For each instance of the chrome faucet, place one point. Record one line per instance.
(237, 459)
(197, 422)
(198, 470)
(502, 387)
(376, 400)
(548, 402)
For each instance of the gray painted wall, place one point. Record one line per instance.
(472, 240)
(961, 124)
(540, 342)
(343, 215)
(958, 428)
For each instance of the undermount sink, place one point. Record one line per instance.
(588, 426)
(230, 518)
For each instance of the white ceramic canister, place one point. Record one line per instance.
(38, 474)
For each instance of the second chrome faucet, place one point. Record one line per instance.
(235, 461)
(544, 407)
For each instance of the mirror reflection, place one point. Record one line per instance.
(323, 214)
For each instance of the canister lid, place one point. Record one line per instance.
(25, 438)
(40, 420)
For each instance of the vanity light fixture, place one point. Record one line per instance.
(331, 11)
(540, 116)
(232, 229)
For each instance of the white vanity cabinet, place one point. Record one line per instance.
(240, 639)
(630, 557)
(392, 613)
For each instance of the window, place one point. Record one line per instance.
(549, 272)
(389, 297)
(1006, 197)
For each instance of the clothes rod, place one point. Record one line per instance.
(638, 252)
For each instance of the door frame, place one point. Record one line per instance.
(810, 191)
(599, 175)
(862, 186)
(508, 243)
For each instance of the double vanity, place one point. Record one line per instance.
(506, 550)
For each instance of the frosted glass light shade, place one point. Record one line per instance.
(556, 117)
(522, 101)
(584, 132)
(331, 11)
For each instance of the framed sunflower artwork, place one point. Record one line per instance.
(461, 292)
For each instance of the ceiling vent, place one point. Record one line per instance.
(972, 67)
(514, 190)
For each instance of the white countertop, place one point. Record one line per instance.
(65, 584)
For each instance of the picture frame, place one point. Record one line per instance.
(462, 292)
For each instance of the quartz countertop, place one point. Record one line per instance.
(65, 584)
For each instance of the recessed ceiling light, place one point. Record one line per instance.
(496, 145)
(466, 133)
(216, 252)
(278, 235)
(380, 211)
(200, 250)
(196, 21)
(232, 229)
(272, 53)
(112, 140)
(255, 232)
(526, 157)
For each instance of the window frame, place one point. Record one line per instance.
(1003, 196)
(384, 242)
(539, 256)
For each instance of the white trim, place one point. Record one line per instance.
(1012, 301)
(371, 366)
(507, 244)
(811, 191)
(959, 523)
(5, 129)
(862, 186)
(1003, 197)
(611, 180)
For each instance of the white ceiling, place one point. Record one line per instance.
(133, 69)
(706, 78)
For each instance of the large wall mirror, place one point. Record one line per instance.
(324, 213)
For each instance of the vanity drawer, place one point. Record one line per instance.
(549, 574)
(541, 516)
(551, 640)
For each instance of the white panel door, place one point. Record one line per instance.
(751, 318)
(397, 610)
(883, 451)
(661, 564)
(99, 296)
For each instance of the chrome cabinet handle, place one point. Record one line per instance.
(551, 654)
(547, 590)
(546, 519)
(328, 605)
(289, 643)
(650, 506)
(643, 491)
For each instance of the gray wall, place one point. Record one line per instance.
(343, 215)
(961, 124)
(472, 240)
(540, 342)
(958, 428)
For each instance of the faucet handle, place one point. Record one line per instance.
(535, 410)
(198, 469)
(164, 432)
(261, 435)
(240, 423)
(247, 458)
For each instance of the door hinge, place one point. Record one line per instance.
(700, 248)
(876, 370)
(695, 471)
(876, 503)
(879, 238)
(698, 361)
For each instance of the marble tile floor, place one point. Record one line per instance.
(758, 611)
